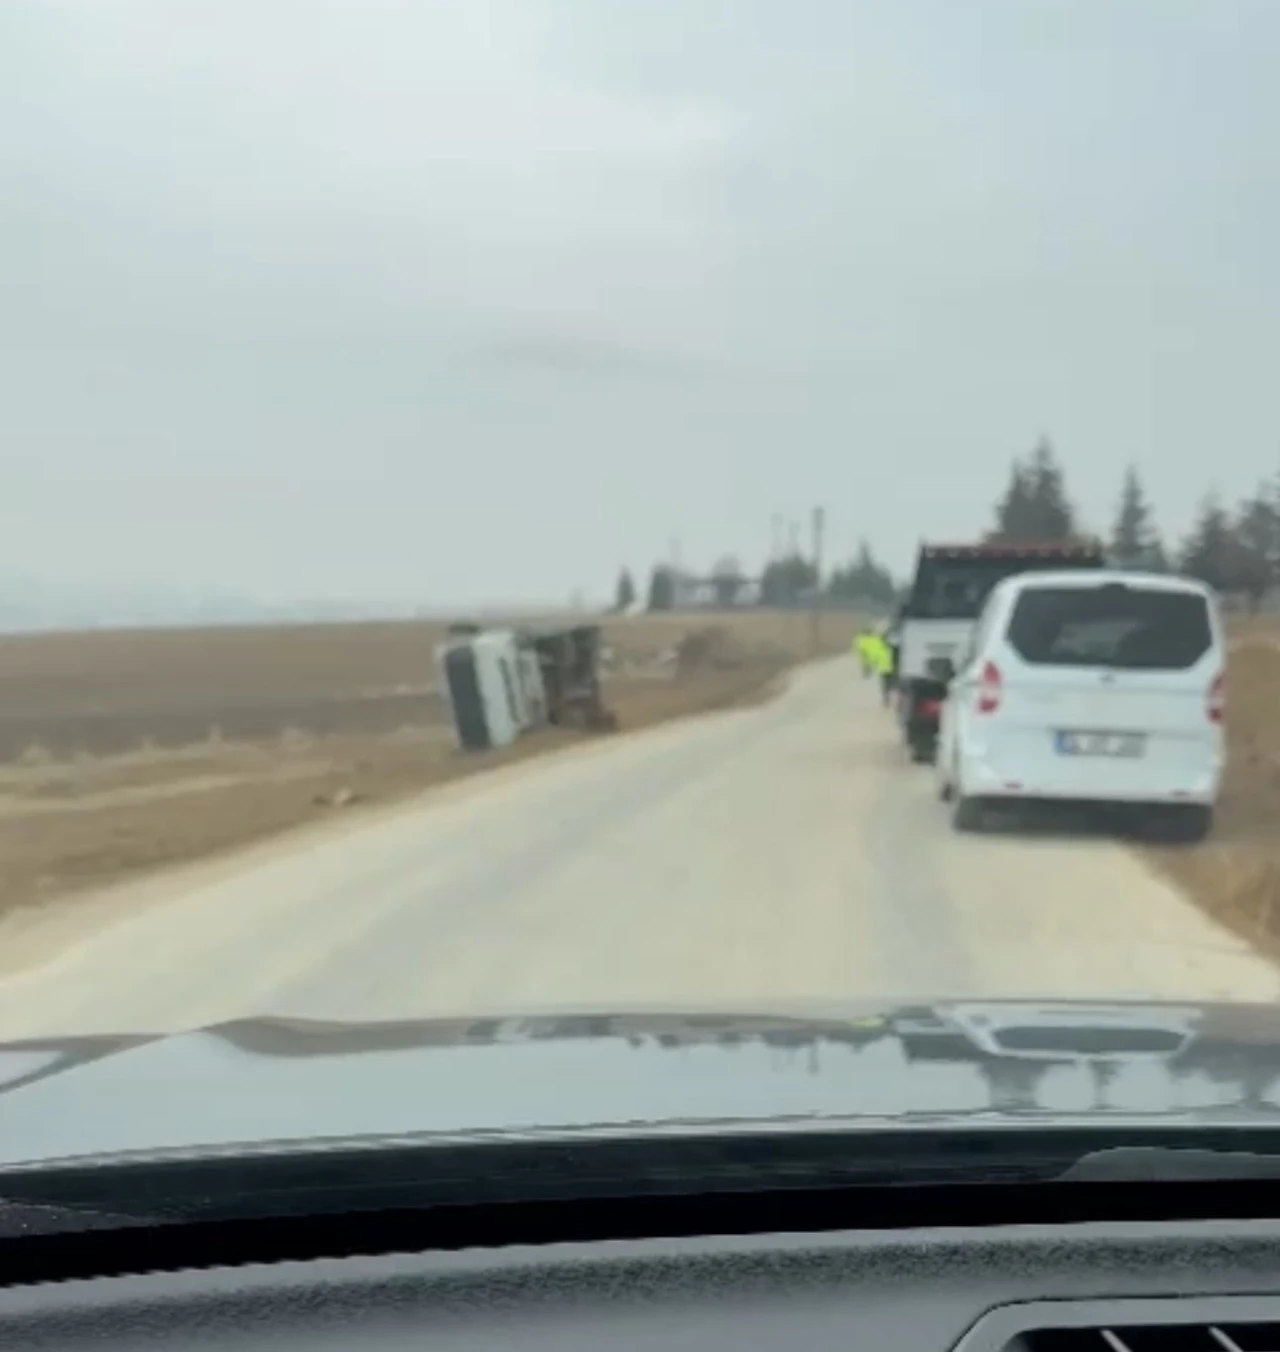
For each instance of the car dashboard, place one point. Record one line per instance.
(1058, 1288)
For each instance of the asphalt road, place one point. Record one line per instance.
(784, 855)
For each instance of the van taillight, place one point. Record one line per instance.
(989, 684)
(1216, 707)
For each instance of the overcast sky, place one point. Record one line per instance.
(474, 300)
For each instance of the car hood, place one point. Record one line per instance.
(264, 1080)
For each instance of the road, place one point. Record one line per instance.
(783, 855)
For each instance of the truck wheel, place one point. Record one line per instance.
(924, 750)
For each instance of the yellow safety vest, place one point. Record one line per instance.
(878, 654)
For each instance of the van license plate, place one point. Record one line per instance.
(1101, 743)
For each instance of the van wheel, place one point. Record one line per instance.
(1186, 825)
(968, 814)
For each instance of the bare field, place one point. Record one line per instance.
(123, 752)
(109, 692)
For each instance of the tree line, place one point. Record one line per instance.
(1234, 549)
(788, 580)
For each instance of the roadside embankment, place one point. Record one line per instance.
(1235, 874)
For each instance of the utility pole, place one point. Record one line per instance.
(815, 608)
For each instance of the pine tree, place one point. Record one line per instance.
(1012, 511)
(1208, 551)
(662, 588)
(625, 595)
(787, 580)
(1134, 540)
(864, 580)
(1035, 508)
(1256, 540)
(1052, 515)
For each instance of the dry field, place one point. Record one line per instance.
(1235, 875)
(107, 692)
(121, 752)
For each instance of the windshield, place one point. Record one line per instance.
(1140, 628)
(507, 513)
(957, 589)
(954, 592)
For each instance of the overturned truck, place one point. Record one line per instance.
(503, 682)
(569, 660)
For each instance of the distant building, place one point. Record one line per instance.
(691, 592)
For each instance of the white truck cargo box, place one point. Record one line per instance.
(486, 686)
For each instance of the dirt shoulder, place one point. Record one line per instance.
(78, 821)
(1235, 875)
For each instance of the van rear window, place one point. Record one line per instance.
(1116, 625)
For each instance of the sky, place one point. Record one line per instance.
(459, 301)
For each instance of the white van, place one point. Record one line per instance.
(1094, 686)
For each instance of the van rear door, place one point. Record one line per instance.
(1117, 670)
(951, 585)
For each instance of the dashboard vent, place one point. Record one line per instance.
(1135, 1324)
(1152, 1338)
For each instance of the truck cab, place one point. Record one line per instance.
(936, 623)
